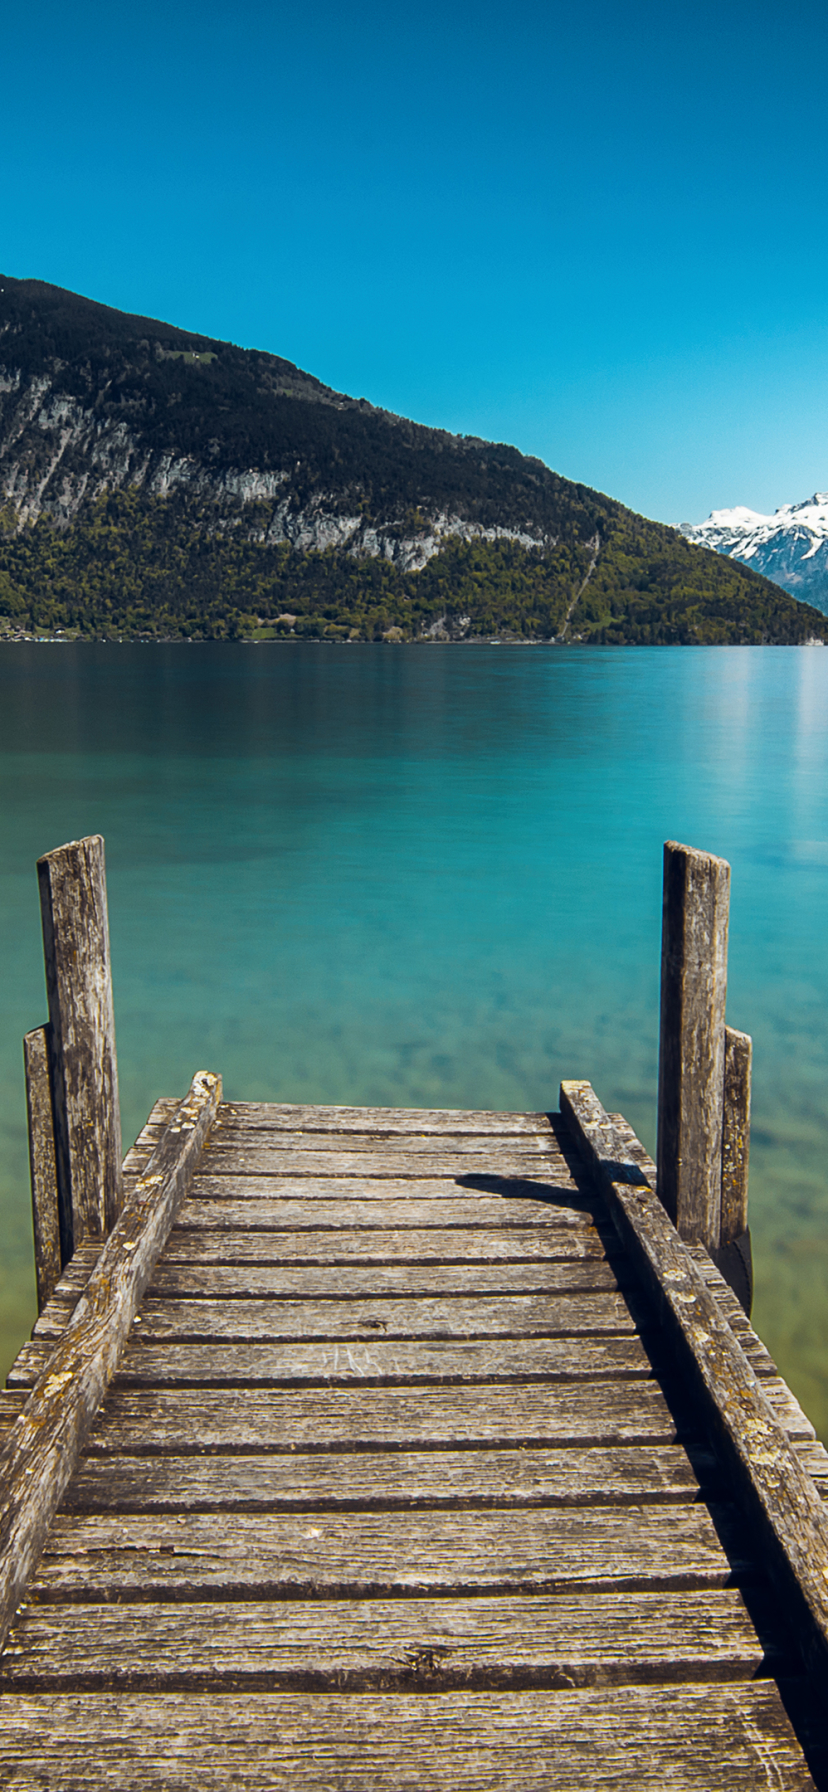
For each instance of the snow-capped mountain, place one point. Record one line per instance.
(790, 547)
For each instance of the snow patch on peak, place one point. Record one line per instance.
(790, 547)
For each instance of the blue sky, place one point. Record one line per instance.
(596, 232)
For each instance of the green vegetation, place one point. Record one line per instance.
(119, 399)
(134, 566)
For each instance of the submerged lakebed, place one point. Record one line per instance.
(431, 877)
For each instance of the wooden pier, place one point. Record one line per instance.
(392, 1449)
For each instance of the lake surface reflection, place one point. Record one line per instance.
(431, 876)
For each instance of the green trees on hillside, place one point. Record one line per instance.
(132, 566)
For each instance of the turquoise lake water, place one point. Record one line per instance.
(431, 876)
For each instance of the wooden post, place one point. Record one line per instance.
(736, 1135)
(734, 1257)
(50, 1256)
(692, 1045)
(84, 1068)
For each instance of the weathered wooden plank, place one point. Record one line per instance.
(367, 1245)
(214, 1281)
(94, 1557)
(85, 1074)
(11, 1405)
(649, 1738)
(43, 1445)
(691, 1056)
(510, 1479)
(64, 1299)
(813, 1457)
(530, 1148)
(266, 1116)
(779, 1499)
(161, 1115)
(735, 1135)
(560, 1193)
(276, 1365)
(352, 1417)
(408, 1215)
(48, 1252)
(787, 1410)
(273, 1321)
(343, 1645)
(404, 1158)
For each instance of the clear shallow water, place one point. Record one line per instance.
(425, 876)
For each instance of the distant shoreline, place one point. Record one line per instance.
(417, 641)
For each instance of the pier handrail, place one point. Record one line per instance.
(780, 1500)
(46, 1438)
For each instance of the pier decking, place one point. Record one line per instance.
(431, 1456)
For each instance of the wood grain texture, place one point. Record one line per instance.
(341, 1645)
(780, 1502)
(648, 1738)
(366, 1158)
(556, 1188)
(452, 1316)
(94, 1557)
(352, 1417)
(375, 1359)
(735, 1134)
(85, 1074)
(48, 1251)
(691, 1054)
(41, 1449)
(510, 1479)
(381, 1245)
(732, 1310)
(411, 1214)
(274, 1365)
(278, 1281)
(278, 1117)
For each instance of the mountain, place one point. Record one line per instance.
(790, 547)
(155, 482)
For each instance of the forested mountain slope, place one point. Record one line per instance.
(157, 482)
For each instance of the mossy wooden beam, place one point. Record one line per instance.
(46, 1439)
(778, 1498)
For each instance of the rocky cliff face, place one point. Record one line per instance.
(93, 401)
(58, 455)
